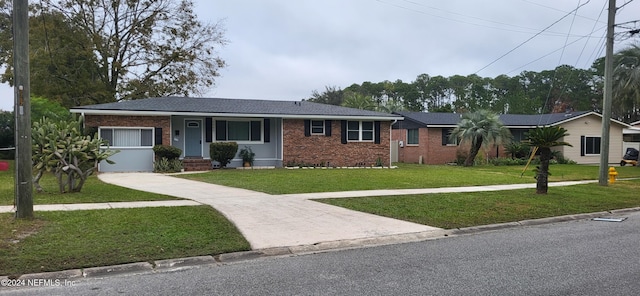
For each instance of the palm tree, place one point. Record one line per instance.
(358, 101)
(544, 138)
(481, 128)
(626, 82)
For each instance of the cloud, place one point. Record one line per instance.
(282, 49)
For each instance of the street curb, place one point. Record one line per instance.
(169, 264)
(625, 211)
(370, 241)
(229, 258)
(542, 221)
(562, 218)
(129, 268)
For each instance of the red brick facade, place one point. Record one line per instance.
(431, 149)
(163, 122)
(320, 149)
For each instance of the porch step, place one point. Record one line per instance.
(196, 164)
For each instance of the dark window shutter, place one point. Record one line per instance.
(208, 126)
(158, 136)
(327, 128)
(221, 130)
(267, 130)
(307, 128)
(256, 133)
(582, 145)
(376, 127)
(445, 135)
(343, 132)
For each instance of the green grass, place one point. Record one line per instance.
(455, 210)
(67, 240)
(406, 176)
(94, 191)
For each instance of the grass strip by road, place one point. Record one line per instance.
(93, 191)
(406, 176)
(456, 210)
(76, 239)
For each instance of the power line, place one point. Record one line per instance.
(552, 52)
(529, 30)
(560, 10)
(555, 72)
(531, 38)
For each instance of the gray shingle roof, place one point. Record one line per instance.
(431, 118)
(232, 106)
(510, 120)
(539, 119)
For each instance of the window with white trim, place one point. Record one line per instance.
(447, 140)
(592, 145)
(317, 127)
(413, 136)
(361, 131)
(127, 137)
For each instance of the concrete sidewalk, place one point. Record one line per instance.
(387, 192)
(106, 205)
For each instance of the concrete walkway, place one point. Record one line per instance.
(269, 221)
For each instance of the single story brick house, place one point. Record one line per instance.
(279, 132)
(425, 136)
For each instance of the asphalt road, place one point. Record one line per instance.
(573, 258)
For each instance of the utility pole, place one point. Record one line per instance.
(608, 96)
(22, 110)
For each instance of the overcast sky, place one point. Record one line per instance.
(284, 49)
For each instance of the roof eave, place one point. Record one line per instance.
(237, 115)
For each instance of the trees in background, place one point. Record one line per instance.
(626, 84)
(551, 91)
(85, 51)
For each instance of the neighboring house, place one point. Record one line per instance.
(425, 136)
(279, 132)
(631, 136)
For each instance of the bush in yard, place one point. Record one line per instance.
(165, 151)
(167, 159)
(165, 165)
(63, 149)
(560, 159)
(223, 152)
(517, 149)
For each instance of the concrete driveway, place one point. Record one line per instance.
(269, 221)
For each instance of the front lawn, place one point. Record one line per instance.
(406, 176)
(455, 210)
(76, 239)
(94, 191)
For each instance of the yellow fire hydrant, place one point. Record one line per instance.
(612, 175)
